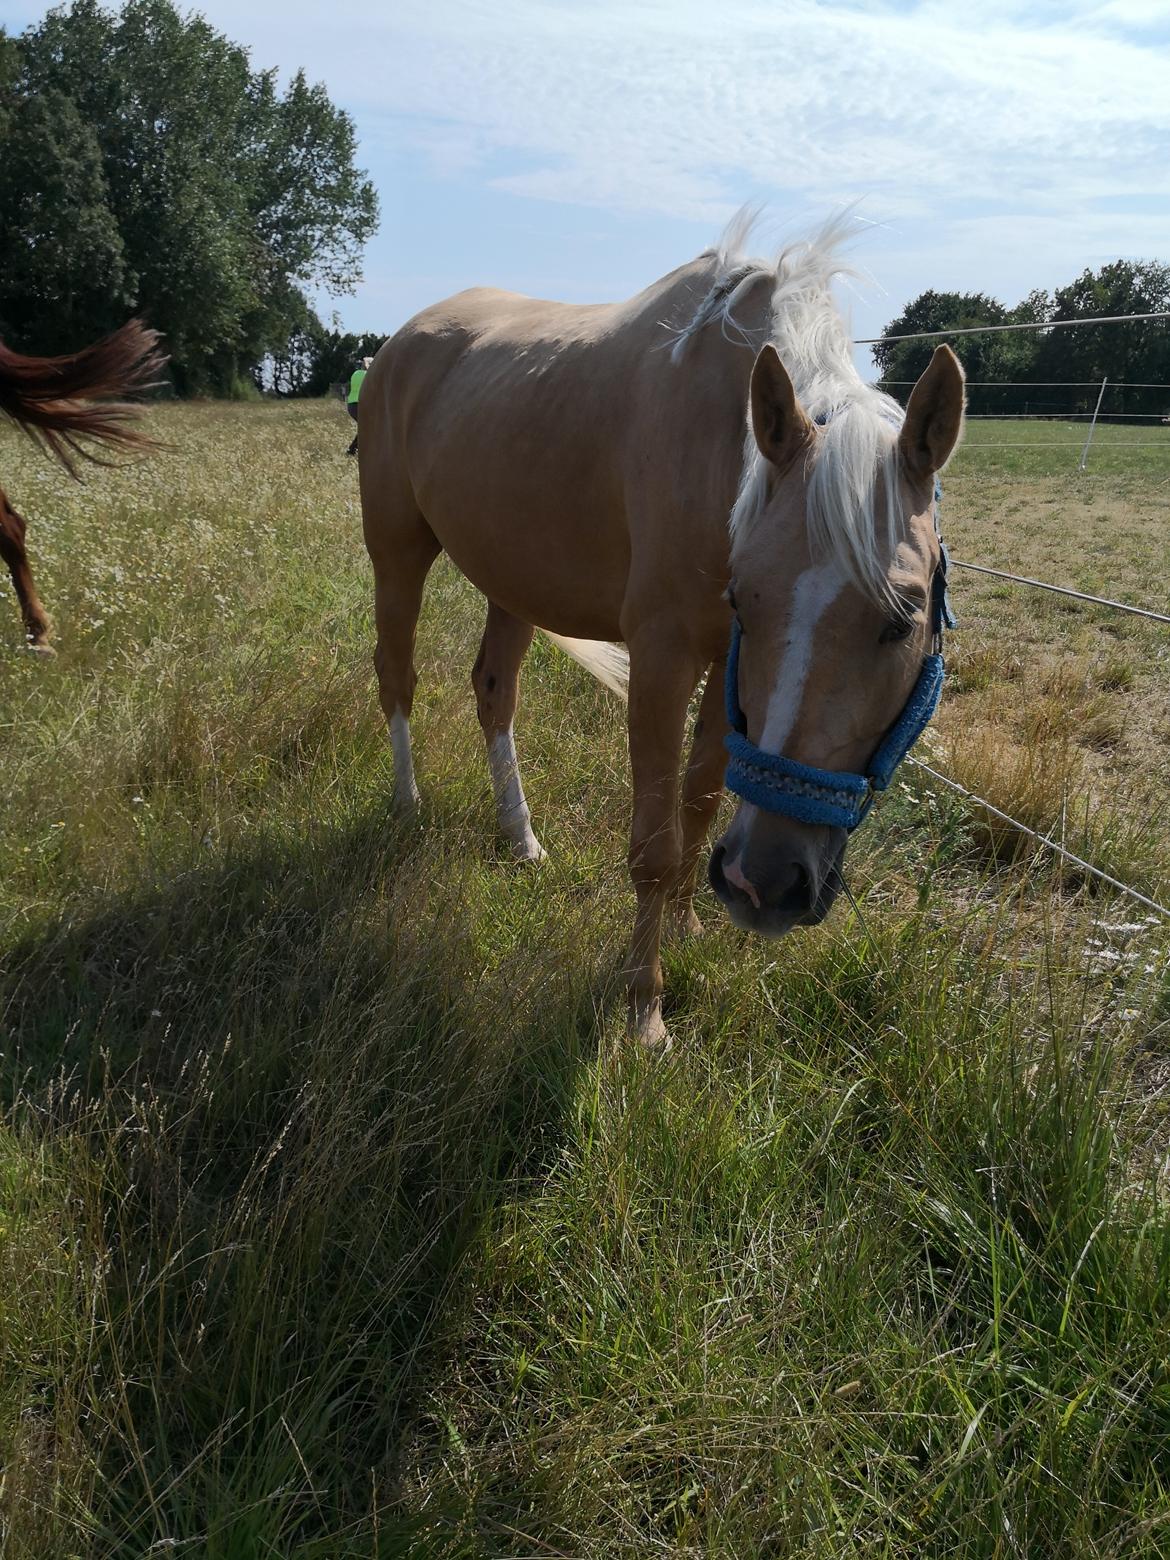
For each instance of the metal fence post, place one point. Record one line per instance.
(1092, 425)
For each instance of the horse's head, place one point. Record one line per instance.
(834, 559)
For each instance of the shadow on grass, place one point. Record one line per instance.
(300, 1080)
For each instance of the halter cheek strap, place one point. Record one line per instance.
(835, 797)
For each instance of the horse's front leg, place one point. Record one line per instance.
(663, 674)
(701, 789)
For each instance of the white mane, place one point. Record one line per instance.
(852, 506)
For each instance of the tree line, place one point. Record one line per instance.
(146, 167)
(1055, 372)
(315, 359)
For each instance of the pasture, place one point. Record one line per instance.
(337, 1220)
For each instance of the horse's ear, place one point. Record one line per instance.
(778, 421)
(934, 416)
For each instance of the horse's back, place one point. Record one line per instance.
(533, 353)
(485, 339)
(520, 429)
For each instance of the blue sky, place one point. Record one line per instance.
(577, 149)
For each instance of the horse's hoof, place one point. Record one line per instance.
(529, 852)
(683, 925)
(650, 1031)
(42, 649)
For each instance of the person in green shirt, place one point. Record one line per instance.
(351, 400)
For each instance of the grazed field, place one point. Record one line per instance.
(334, 1221)
(1060, 712)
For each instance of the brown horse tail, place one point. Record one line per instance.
(64, 401)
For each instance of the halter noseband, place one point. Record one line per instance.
(836, 797)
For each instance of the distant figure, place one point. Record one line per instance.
(351, 400)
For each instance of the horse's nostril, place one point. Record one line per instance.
(731, 886)
(794, 891)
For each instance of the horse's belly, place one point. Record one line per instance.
(566, 577)
(516, 454)
(546, 543)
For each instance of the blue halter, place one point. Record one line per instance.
(835, 796)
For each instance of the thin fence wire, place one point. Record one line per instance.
(988, 330)
(1043, 839)
(1062, 416)
(1063, 444)
(1061, 590)
(1031, 384)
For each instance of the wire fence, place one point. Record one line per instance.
(1038, 384)
(1050, 412)
(988, 330)
(1101, 423)
(1055, 444)
(1097, 403)
(1042, 839)
(1063, 416)
(1061, 590)
(1046, 840)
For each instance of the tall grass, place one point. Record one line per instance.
(335, 1219)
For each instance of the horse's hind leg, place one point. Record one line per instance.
(402, 548)
(496, 680)
(36, 619)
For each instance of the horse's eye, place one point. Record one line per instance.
(896, 628)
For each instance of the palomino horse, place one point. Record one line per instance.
(48, 396)
(582, 474)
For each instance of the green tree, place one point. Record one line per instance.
(1137, 353)
(63, 273)
(902, 362)
(330, 358)
(1066, 366)
(995, 363)
(231, 198)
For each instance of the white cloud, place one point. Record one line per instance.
(1008, 145)
(679, 106)
(675, 108)
(1140, 14)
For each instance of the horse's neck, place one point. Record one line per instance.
(669, 306)
(701, 400)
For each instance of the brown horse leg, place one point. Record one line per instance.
(496, 680)
(402, 548)
(702, 788)
(12, 550)
(663, 675)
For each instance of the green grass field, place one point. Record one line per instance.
(335, 1218)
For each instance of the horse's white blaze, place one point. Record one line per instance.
(405, 790)
(733, 872)
(511, 807)
(813, 594)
